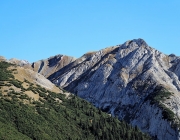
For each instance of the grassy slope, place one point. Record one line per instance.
(53, 115)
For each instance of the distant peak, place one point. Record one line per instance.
(172, 55)
(140, 42)
(134, 43)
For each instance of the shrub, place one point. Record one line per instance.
(16, 83)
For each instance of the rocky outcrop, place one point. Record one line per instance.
(121, 79)
(49, 66)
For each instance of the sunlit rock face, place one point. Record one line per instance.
(121, 79)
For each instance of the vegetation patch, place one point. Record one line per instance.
(74, 119)
(17, 83)
(5, 74)
(158, 97)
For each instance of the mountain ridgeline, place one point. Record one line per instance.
(31, 107)
(133, 82)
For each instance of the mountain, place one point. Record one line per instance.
(31, 107)
(132, 81)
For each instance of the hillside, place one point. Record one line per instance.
(132, 81)
(31, 107)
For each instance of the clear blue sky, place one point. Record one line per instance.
(37, 29)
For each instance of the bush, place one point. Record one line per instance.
(16, 83)
(42, 94)
(4, 73)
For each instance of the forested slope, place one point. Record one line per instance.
(53, 115)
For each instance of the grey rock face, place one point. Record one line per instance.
(120, 79)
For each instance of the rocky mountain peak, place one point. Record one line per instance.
(131, 43)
